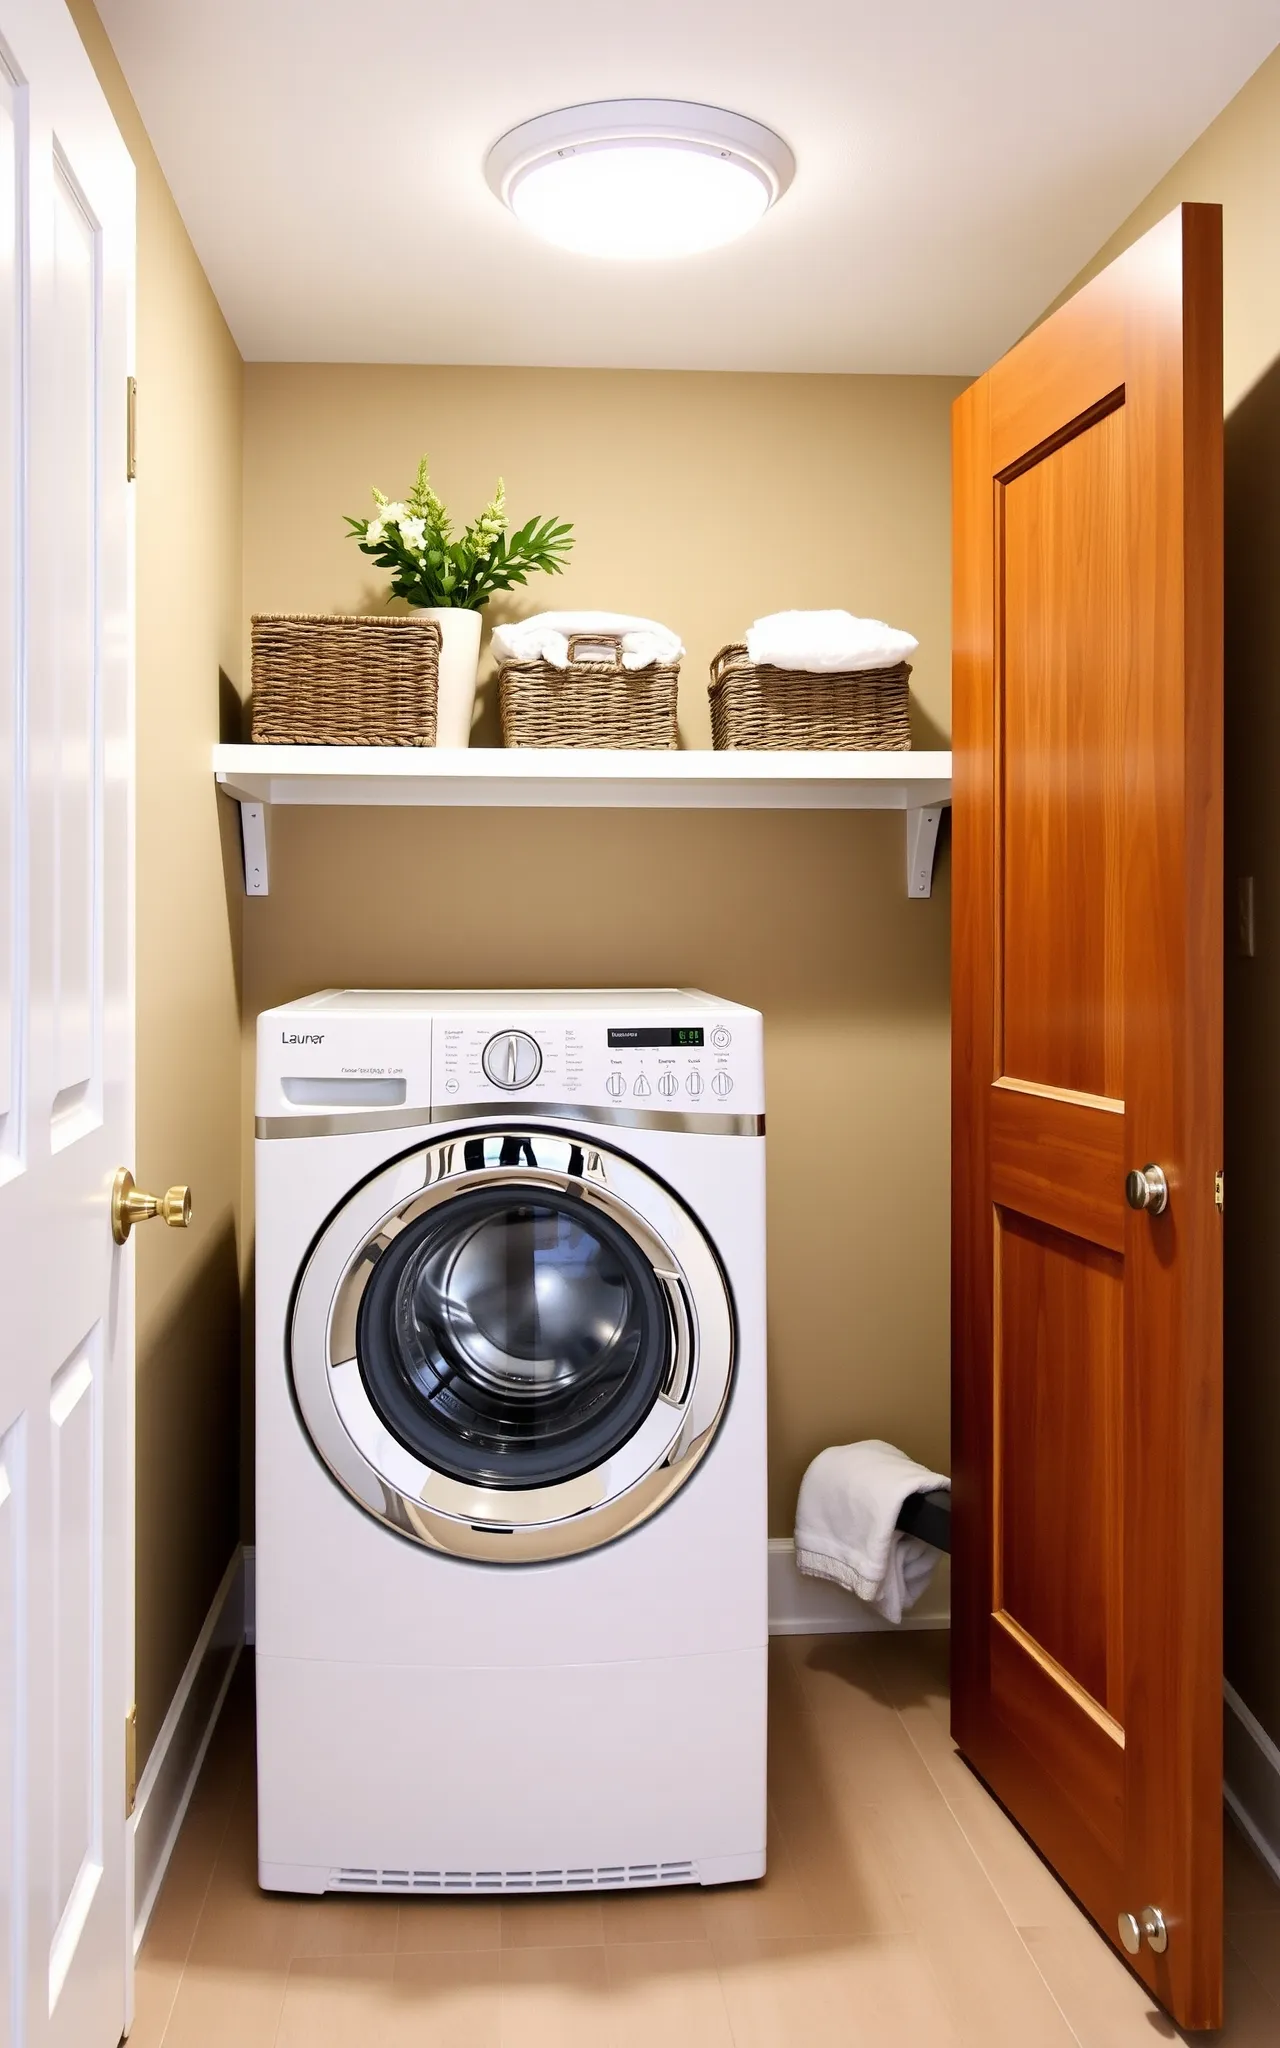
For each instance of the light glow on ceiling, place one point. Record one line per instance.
(640, 180)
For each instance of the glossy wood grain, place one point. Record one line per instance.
(1060, 1397)
(1087, 1039)
(1064, 648)
(1060, 1161)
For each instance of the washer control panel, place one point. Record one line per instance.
(708, 1065)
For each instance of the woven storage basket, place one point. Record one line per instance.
(595, 702)
(344, 682)
(789, 709)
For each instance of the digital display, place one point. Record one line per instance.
(679, 1034)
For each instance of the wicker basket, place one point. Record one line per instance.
(344, 682)
(595, 702)
(789, 709)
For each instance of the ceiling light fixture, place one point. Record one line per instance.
(640, 179)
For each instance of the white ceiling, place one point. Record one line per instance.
(956, 165)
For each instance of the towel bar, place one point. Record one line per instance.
(928, 1515)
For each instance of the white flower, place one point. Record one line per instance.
(374, 531)
(393, 514)
(413, 532)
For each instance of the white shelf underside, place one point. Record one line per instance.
(259, 778)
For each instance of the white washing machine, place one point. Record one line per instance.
(511, 1538)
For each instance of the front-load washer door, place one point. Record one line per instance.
(511, 1345)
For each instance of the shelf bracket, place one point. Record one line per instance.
(922, 841)
(254, 836)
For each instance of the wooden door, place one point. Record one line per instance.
(66, 1039)
(1087, 985)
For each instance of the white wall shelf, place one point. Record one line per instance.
(259, 778)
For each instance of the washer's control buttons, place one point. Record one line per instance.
(694, 1083)
(616, 1085)
(721, 1083)
(642, 1086)
(721, 1038)
(512, 1059)
(668, 1083)
(451, 1087)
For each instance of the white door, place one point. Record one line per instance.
(66, 1038)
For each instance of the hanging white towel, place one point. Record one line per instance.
(546, 638)
(822, 642)
(846, 1516)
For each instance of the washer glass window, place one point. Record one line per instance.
(513, 1337)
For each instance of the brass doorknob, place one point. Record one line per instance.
(1147, 1190)
(129, 1206)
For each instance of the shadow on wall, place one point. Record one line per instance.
(188, 1420)
(1253, 1044)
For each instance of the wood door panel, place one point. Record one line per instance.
(1060, 1395)
(1078, 1748)
(1086, 984)
(1060, 1161)
(1061, 565)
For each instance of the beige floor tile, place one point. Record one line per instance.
(573, 1920)
(337, 2002)
(847, 1887)
(556, 1998)
(875, 1994)
(667, 1994)
(1027, 1889)
(238, 1922)
(666, 1913)
(1249, 1884)
(1104, 2003)
(226, 2004)
(430, 1926)
(445, 2001)
(992, 1992)
(338, 1926)
(774, 1907)
(865, 1750)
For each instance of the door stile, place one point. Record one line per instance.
(1174, 1055)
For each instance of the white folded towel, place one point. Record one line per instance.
(850, 1500)
(546, 637)
(822, 642)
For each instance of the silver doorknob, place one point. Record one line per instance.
(1149, 1926)
(1147, 1189)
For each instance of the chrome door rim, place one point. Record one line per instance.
(483, 1522)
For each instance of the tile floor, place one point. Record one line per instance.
(901, 1910)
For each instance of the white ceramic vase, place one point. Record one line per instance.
(459, 664)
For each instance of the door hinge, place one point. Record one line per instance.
(131, 429)
(1219, 1191)
(130, 1761)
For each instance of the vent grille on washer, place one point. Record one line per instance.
(606, 1876)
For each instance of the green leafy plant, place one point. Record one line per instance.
(430, 568)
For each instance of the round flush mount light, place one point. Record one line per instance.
(640, 179)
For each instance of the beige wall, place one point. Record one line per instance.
(189, 636)
(703, 500)
(1237, 162)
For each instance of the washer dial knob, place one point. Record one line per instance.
(512, 1059)
(721, 1084)
(616, 1085)
(668, 1084)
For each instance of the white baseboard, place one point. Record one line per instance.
(800, 1606)
(1252, 1788)
(166, 1785)
(250, 1556)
